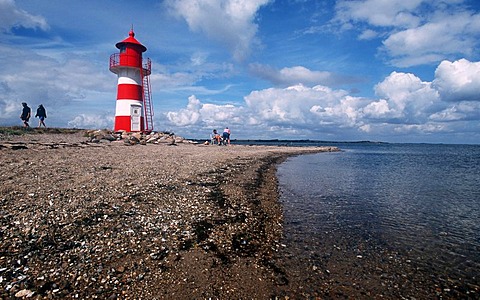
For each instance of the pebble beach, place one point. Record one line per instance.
(88, 218)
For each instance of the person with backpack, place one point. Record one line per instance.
(26, 114)
(42, 115)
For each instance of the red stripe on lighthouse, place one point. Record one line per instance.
(129, 91)
(124, 123)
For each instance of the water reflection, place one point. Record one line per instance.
(422, 201)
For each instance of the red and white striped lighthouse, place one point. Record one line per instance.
(133, 111)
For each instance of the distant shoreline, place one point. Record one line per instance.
(19, 130)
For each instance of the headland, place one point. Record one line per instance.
(85, 216)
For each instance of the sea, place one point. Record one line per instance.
(419, 203)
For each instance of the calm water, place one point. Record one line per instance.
(420, 200)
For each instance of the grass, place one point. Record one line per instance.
(19, 130)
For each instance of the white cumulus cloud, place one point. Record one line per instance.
(404, 96)
(205, 114)
(414, 32)
(187, 116)
(91, 121)
(466, 110)
(404, 104)
(291, 76)
(447, 35)
(295, 75)
(458, 81)
(229, 22)
(303, 106)
(379, 12)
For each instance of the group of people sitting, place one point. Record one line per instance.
(220, 139)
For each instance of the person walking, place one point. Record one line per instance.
(42, 115)
(26, 114)
(226, 136)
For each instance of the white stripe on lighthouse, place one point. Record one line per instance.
(123, 107)
(129, 76)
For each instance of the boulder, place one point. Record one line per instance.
(134, 138)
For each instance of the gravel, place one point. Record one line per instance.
(103, 220)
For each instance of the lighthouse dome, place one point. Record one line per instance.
(131, 40)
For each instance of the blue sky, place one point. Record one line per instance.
(381, 70)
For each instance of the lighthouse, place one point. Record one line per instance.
(133, 112)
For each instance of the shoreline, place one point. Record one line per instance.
(145, 221)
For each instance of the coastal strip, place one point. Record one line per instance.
(105, 220)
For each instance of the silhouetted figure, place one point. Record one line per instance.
(42, 115)
(26, 114)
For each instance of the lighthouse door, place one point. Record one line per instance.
(135, 113)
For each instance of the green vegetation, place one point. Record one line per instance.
(18, 130)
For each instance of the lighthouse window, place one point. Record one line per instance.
(123, 49)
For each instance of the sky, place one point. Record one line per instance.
(377, 70)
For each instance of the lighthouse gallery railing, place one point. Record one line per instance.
(115, 62)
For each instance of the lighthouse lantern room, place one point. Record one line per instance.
(133, 112)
